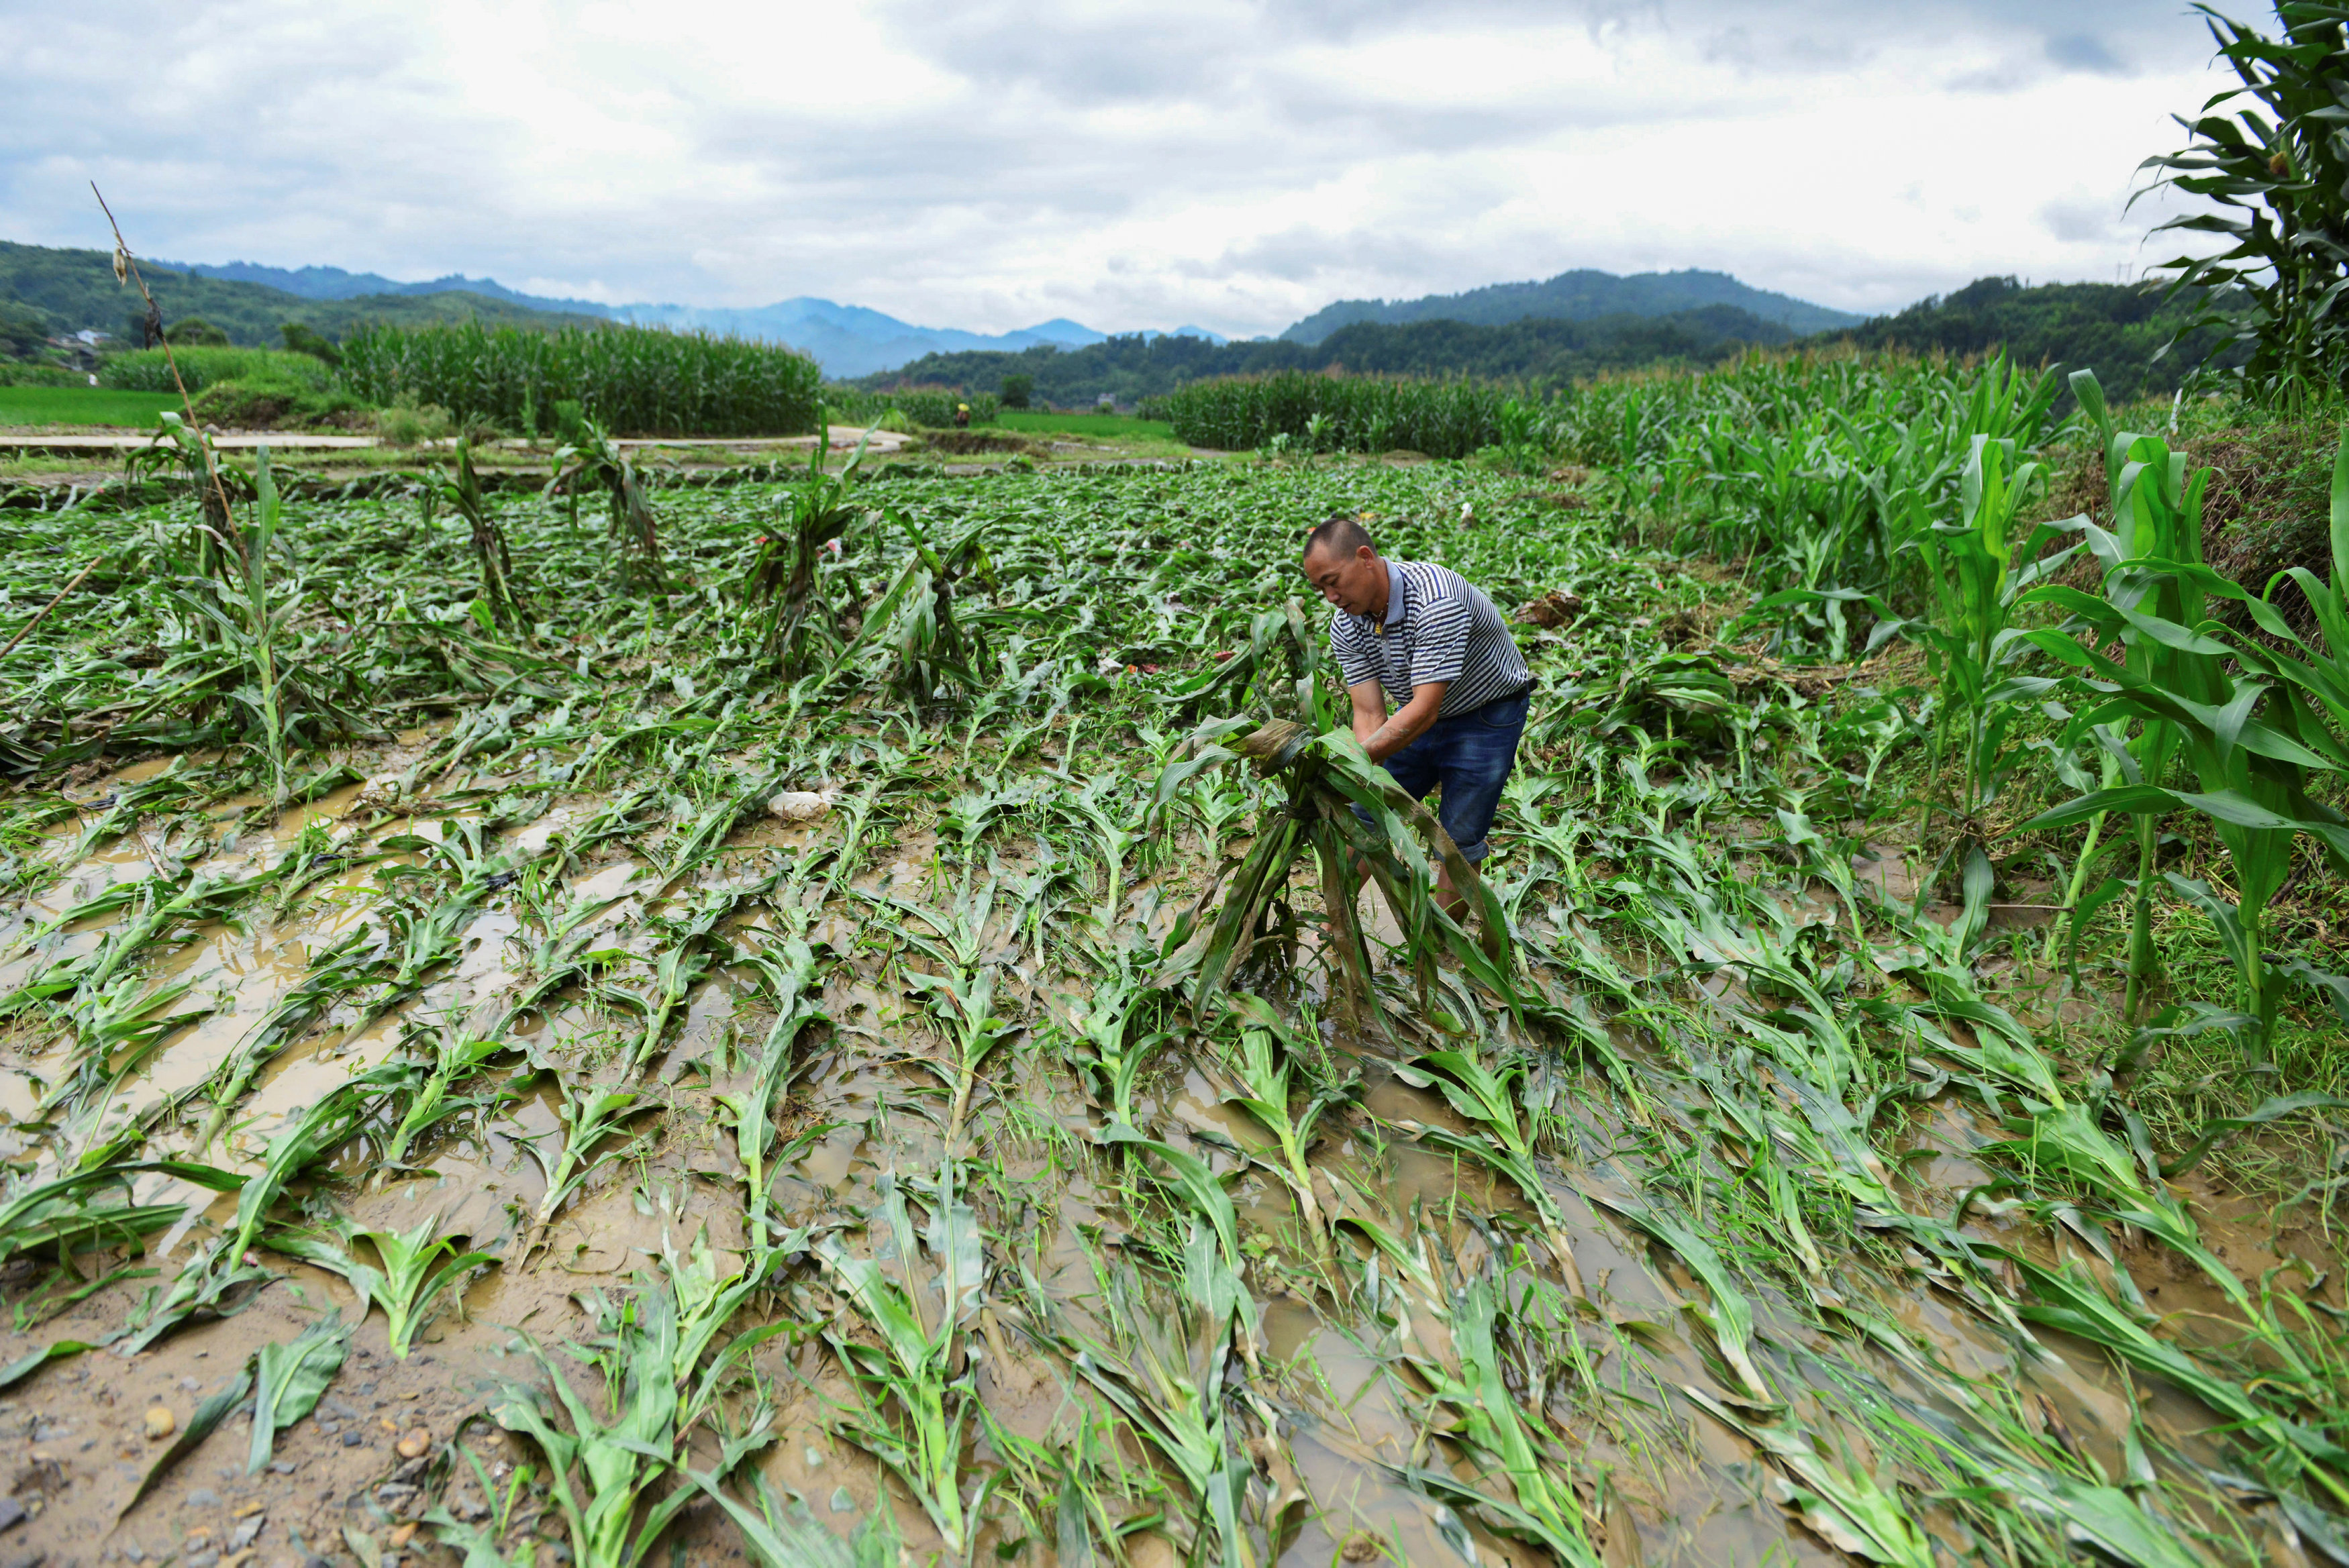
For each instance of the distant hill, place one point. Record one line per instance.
(2115, 329)
(333, 283)
(1133, 367)
(1579, 295)
(75, 291)
(845, 339)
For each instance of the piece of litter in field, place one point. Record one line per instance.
(798, 805)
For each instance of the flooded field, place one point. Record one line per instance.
(699, 1065)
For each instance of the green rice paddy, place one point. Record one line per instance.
(82, 406)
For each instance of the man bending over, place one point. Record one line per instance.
(1414, 632)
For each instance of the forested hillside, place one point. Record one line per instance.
(1545, 353)
(75, 290)
(2116, 329)
(1580, 295)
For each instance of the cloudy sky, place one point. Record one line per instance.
(989, 165)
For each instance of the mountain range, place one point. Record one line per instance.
(249, 299)
(1580, 295)
(845, 339)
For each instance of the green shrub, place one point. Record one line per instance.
(1338, 413)
(194, 331)
(632, 380)
(271, 402)
(16, 373)
(146, 370)
(302, 339)
(24, 332)
(1018, 389)
(407, 425)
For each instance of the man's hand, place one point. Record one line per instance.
(1382, 737)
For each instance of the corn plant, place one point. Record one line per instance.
(589, 1115)
(1164, 1371)
(2177, 680)
(2274, 169)
(780, 1535)
(408, 1281)
(1488, 1098)
(589, 459)
(913, 1365)
(1260, 1068)
(1106, 1029)
(456, 1059)
(914, 619)
(1545, 1509)
(617, 1462)
(788, 972)
(962, 999)
(216, 1272)
(1324, 777)
(187, 452)
(1978, 573)
(462, 494)
(780, 587)
(249, 665)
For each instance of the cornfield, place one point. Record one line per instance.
(864, 1051)
(1337, 413)
(632, 380)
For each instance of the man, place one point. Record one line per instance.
(1412, 632)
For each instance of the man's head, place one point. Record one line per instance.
(1344, 566)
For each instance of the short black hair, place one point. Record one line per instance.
(1342, 533)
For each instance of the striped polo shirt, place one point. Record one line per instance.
(1437, 628)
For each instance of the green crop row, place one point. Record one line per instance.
(148, 369)
(929, 408)
(633, 380)
(1339, 413)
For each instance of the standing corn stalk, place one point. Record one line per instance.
(462, 495)
(590, 458)
(180, 447)
(188, 441)
(780, 585)
(1326, 778)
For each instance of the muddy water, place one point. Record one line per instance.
(1350, 1348)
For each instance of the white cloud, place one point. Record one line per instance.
(989, 165)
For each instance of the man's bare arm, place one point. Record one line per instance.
(1370, 700)
(1409, 723)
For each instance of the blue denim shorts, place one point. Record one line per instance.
(1470, 754)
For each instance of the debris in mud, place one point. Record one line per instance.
(1555, 608)
(798, 805)
(381, 793)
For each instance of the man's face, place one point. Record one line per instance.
(1353, 582)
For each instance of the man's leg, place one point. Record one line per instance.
(1481, 748)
